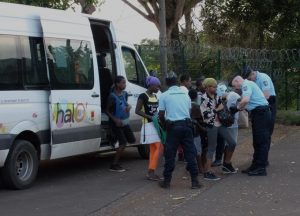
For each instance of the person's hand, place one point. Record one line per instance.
(128, 108)
(220, 107)
(233, 109)
(118, 122)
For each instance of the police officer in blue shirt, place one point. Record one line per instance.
(174, 113)
(254, 101)
(265, 83)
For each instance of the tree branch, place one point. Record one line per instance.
(177, 16)
(146, 16)
(150, 16)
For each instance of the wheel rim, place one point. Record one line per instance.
(24, 165)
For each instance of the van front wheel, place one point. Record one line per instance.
(21, 166)
(144, 151)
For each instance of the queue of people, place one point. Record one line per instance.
(200, 124)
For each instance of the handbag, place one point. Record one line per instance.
(149, 134)
(225, 116)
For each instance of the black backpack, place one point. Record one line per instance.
(225, 116)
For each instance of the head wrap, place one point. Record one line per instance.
(151, 80)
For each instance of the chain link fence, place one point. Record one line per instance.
(197, 59)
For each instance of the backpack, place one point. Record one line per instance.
(225, 116)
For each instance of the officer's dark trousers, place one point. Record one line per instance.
(180, 133)
(261, 120)
(273, 107)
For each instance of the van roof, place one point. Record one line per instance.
(34, 12)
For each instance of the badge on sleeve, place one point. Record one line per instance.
(245, 88)
(265, 83)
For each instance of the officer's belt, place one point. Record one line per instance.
(260, 109)
(178, 122)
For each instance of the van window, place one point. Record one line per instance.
(10, 71)
(134, 68)
(34, 62)
(70, 64)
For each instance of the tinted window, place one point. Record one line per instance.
(70, 64)
(10, 71)
(33, 62)
(134, 69)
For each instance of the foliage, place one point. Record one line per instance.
(252, 23)
(288, 117)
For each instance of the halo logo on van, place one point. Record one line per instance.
(68, 113)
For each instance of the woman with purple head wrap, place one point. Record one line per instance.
(146, 107)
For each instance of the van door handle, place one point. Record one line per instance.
(129, 94)
(95, 95)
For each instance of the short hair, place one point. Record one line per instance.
(231, 78)
(246, 72)
(199, 81)
(184, 77)
(118, 79)
(193, 94)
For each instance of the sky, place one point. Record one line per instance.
(129, 25)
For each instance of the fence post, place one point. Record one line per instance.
(286, 90)
(298, 99)
(219, 65)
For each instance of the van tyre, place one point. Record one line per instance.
(21, 166)
(144, 151)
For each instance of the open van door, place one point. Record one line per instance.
(75, 92)
(136, 73)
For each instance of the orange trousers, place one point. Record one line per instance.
(155, 152)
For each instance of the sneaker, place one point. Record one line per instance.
(164, 184)
(252, 167)
(116, 168)
(211, 176)
(196, 184)
(258, 172)
(153, 177)
(229, 169)
(216, 163)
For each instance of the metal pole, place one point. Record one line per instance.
(219, 65)
(163, 40)
(286, 91)
(298, 99)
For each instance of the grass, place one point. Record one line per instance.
(288, 117)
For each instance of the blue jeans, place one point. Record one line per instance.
(180, 133)
(261, 123)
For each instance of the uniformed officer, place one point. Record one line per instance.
(255, 102)
(265, 83)
(174, 112)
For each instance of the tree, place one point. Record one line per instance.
(251, 23)
(175, 9)
(87, 6)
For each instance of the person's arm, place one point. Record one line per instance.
(265, 87)
(139, 107)
(162, 109)
(243, 103)
(108, 110)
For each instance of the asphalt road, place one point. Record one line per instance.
(84, 186)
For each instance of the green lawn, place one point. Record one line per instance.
(288, 117)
